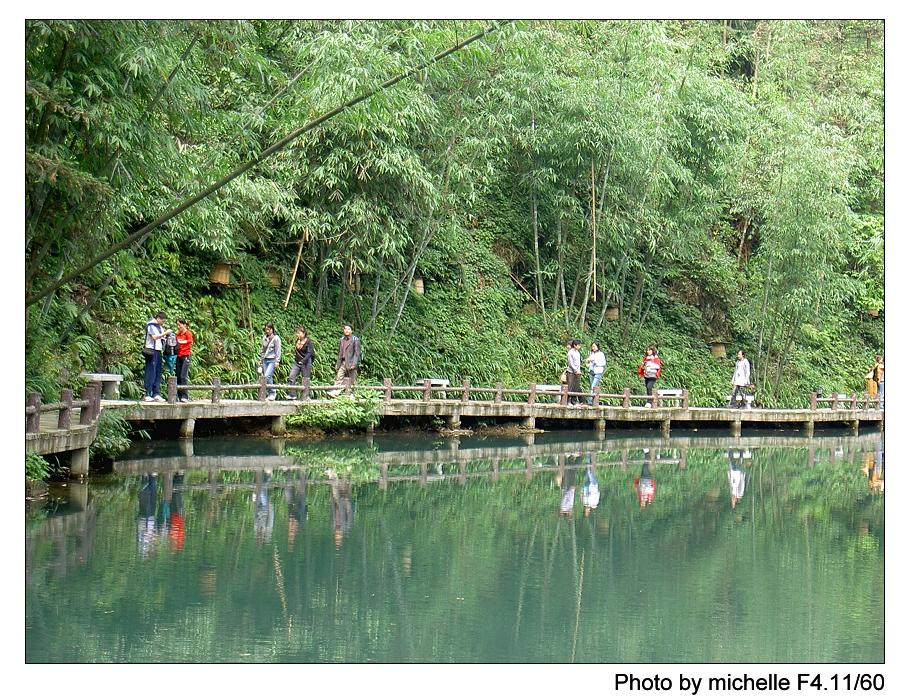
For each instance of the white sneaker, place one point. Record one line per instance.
(159, 398)
(270, 397)
(147, 398)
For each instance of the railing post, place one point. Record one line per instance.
(172, 390)
(853, 402)
(216, 390)
(685, 398)
(626, 401)
(655, 399)
(466, 390)
(85, 412)
(564, 394)
(33, 420)
(597, 395)
(813, 401)
(96, 400)
(835, 398)
(866, 402)
(532, 393)
(426, 390)
(498, 397)
(387, 389)
(261, 395)
(66, 413)
(306, 388)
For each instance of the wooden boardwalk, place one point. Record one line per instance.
(455, 406)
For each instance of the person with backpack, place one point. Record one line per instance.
(649, 370)
(155, 333)
(269, 356)
(303, 360)
(169, 355)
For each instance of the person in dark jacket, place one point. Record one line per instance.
(303, 361)
(347, 362)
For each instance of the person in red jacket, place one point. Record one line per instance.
(184, 352)
(649, 369)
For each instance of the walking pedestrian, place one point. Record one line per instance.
(184, 353)
(878, 376)
(596, 362)
(742, 374)
(649, 370)
(347, 362)
(573, 370)
(303, 360)
(269, 356)
(155, 333)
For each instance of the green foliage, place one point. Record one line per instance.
(348, 411)
(112, 438)
(37, 468)
(737, 193)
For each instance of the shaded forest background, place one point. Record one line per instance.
(706, 181)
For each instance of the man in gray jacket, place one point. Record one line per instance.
(347, 361)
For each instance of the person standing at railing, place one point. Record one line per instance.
(878, 375)
(573, 370)
(741, 379)
(303, 359)
(269, 356)
(649, 370)
(155, 333)
(184, 353)
(596, 362)
(347, 362)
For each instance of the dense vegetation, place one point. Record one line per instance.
(711, 180)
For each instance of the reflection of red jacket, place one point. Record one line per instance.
(646, 488)
(654, 359)
(175, 535)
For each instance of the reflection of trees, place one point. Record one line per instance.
(481, 570)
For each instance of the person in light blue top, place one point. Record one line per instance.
(269, 356)
(596, 362)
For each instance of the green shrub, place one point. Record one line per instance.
(37, 467)
(112, 438)
(357, 411)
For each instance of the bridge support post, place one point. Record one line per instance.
(665, 428)
(78, 496)
(736, 428)
(187, 426)
(529, 439)
(600, 428)
(278, 428)
(809, 428)
(854, 427)
(529, 422)
(454, 421)
(79, 462)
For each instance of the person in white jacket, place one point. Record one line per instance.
(741, 379)
(596, 361)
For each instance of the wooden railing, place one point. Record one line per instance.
(89, 407)
(465, 392)
(846, 401)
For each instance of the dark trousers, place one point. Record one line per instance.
(649, 384)
(573, 386)
(153, 374)
(738, 389)
(183, 369)
(302, 371)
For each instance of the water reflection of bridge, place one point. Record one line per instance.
(620, 451)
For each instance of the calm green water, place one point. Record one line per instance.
(465, 556)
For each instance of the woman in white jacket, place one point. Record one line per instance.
(596, 361)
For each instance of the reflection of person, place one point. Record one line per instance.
(736, 476)
(297, 508)
(645, 485)
(145, 531)
(567, 501)
(263, 509)
(175, 523)
(590, 493)
(874, 468)
(342, 509)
